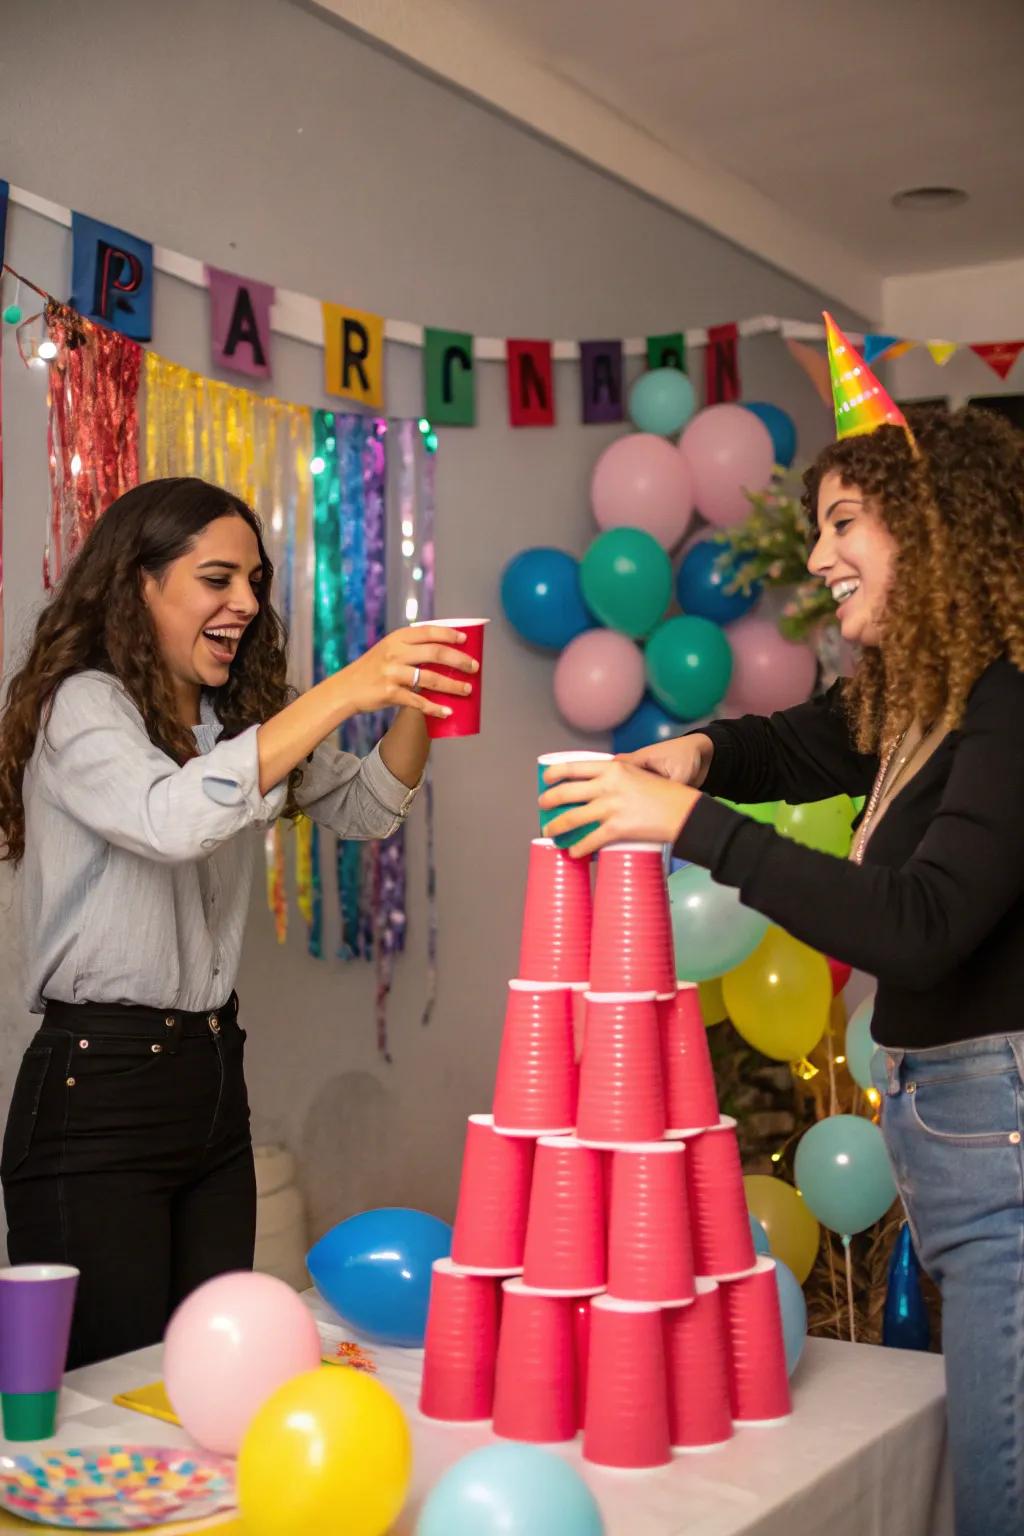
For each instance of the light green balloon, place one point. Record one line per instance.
(765, 811)
(843, 1173)
(712, 929)
(860, 1047)
(821, 824)
(626, 580)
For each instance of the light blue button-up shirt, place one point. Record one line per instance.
(137, 872)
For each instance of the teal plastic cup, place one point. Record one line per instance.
(548, 760)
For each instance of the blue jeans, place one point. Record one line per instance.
(953, 1122)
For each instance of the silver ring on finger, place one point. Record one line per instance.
(415, 684)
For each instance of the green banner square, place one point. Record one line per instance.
(668, 351)
(449, 380)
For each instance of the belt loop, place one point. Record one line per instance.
(1017, 1047)
(893, 1061)
(172, 1033)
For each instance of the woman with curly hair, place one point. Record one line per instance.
(923, 549)
(149, 731)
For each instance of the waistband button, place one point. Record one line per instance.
(156, 1049)
(169, 1021)
(83, 1045)
(214, 1024)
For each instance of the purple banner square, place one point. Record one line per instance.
(601, 381)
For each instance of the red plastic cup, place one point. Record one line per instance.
(722, 1241)
(565, 1236)
(535, 1379)
(691, 1097)
(581, 1341)
(626, 1415)
(494, 1200)
(621, 1096)
(460, 1346)
(631, 943)
(557, 913)
(697, 1364)
(464, 719)
(650, 1257)
(536, 1085)
(579, 991)
(758, 1379)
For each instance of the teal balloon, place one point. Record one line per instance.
(661, 401)
(712, 930)
(626, 579)
(511, 1490)
(859, 1045)
(843, 1173)
(689, 666)
(760, 1236)
(793, 1306)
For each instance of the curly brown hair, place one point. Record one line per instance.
(955, 507)
(98, 619)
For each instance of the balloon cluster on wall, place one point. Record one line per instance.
(626, 664)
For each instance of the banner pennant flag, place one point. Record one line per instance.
(876, 346)
(531, 396)
(239, 323)
(941, 351)
(722, 365)
(815, 365)
(1000, 355)
(112, 277)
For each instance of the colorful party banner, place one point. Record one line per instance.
(112, 277)
(1000, 355)
(722, 365)
(601, 381)
(240, 323)
(531, 395)
(668, 351)
(354, 354)
(876, 346)
(449, 380)
(815, 365)
(941, 351)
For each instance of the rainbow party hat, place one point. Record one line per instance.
(861, 404)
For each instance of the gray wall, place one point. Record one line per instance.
(257, 136)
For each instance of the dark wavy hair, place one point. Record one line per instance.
(98, 619)
(955, 507)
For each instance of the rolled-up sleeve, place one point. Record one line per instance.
(356, 798)
(98, 764)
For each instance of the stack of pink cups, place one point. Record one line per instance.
(602, 1276)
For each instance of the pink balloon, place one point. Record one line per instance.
(729, 451)
(230, 1345)
(768, 672)
(599, 680)
(641, 482)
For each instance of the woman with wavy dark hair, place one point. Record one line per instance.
(923, 549)
(149, 731)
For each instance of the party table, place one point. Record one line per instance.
(864, 1454)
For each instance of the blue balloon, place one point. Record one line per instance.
(793, 1306)
(661, 401)
(760, 1236)
(843, 1173)
(703, 582)
(860, 1047)
(540, 593)
(510, 1490)
(375, 1269)
(781, 426)
(647, 724)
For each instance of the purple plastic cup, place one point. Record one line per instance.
(36, 1306)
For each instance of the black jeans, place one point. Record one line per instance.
(128, 1154)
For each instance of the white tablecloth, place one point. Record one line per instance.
(864, 1454)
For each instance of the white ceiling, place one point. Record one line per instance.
(785, 124)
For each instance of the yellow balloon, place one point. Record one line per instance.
(793, 1232)
(329, 1452)
(712, 1003)
(779, 997)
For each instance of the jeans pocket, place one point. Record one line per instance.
(24, 1110)
(981, 1109)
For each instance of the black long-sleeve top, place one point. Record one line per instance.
(936, 910)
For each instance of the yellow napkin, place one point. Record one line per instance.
(153, 1400)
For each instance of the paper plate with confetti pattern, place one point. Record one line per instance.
(115, 1487)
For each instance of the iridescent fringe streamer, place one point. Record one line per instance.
(417, 446)
(93, 435)
(260, 448)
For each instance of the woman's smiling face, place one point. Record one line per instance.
(853, 555)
